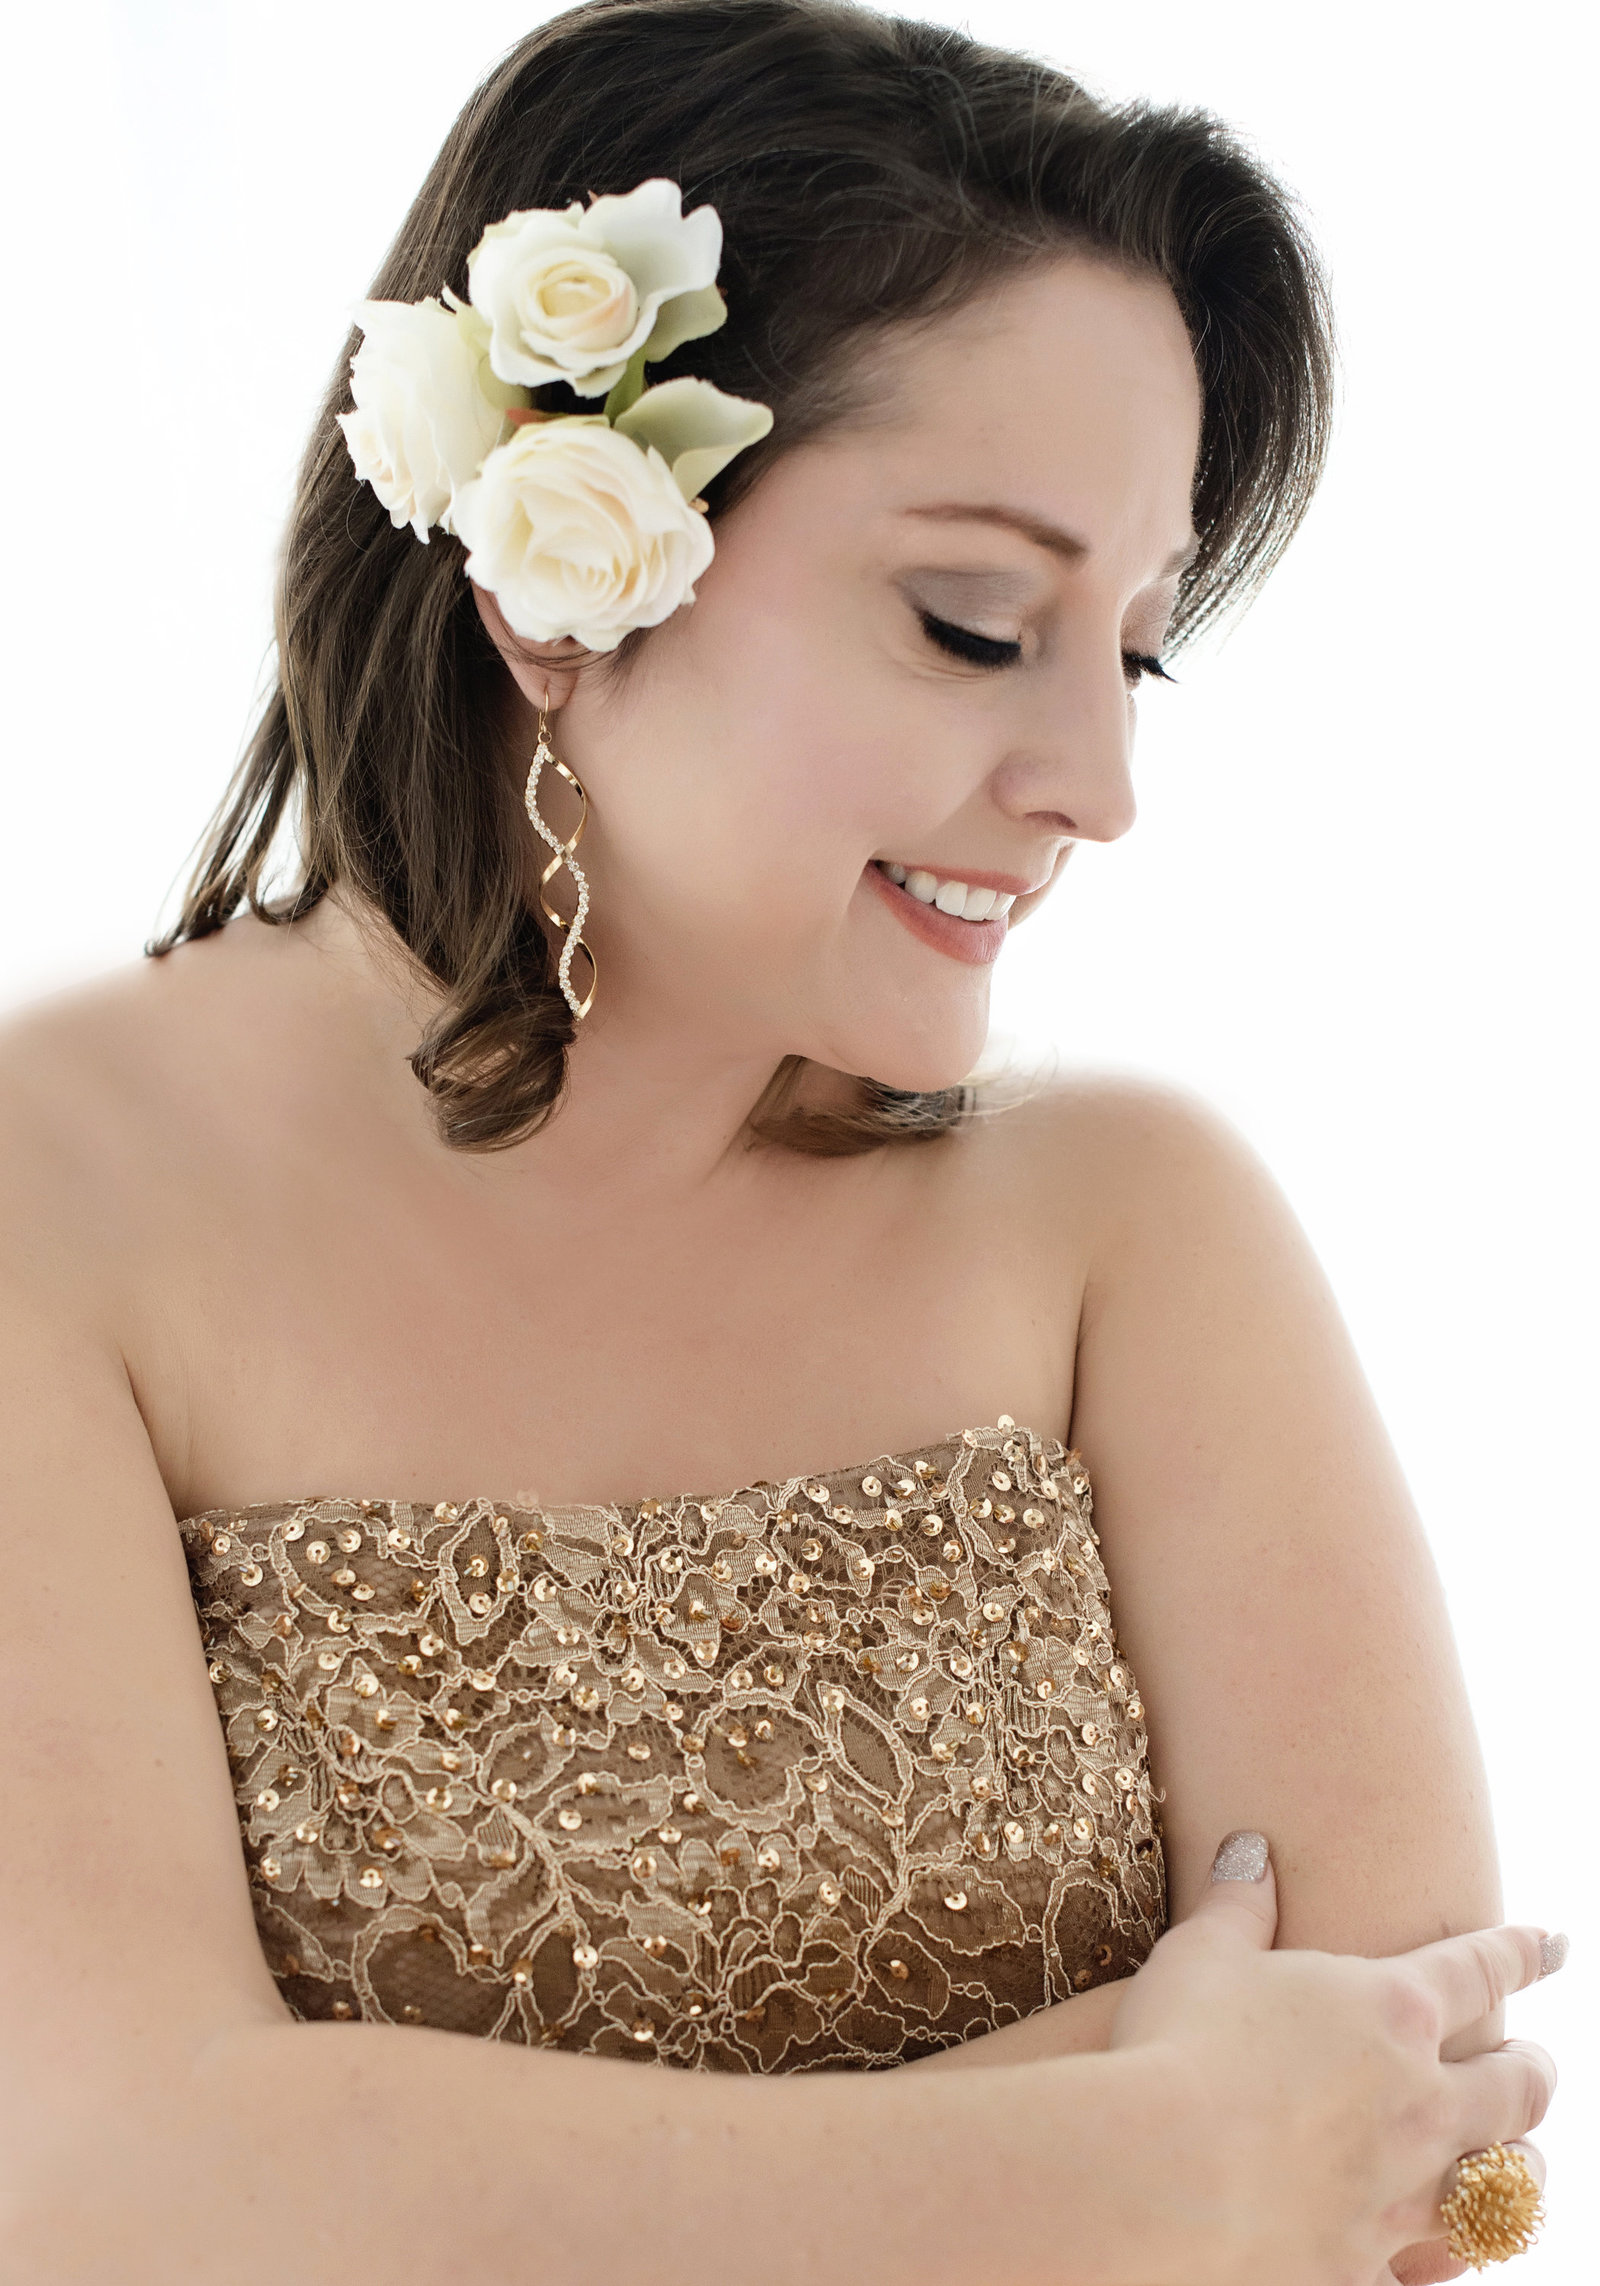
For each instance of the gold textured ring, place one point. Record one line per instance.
(1493, 2210)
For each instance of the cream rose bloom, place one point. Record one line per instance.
(576, 530)
(573, 295)
(428, 407)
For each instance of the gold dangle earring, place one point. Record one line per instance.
(571, 931)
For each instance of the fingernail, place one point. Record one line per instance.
(1552, 1953)
(1242, 1857)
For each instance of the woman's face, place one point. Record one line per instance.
(911, 665)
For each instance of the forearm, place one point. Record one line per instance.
(319, 2150)
(1080, 2026)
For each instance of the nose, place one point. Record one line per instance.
(1069, 766)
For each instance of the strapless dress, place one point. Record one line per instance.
(831, 1773)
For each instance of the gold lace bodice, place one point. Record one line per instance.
(833, 1772)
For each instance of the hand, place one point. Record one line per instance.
(1329, 2123)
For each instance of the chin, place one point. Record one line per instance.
(916, 1063)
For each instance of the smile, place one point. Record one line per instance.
(957, 898)
(965, 922)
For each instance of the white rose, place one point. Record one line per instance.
(428, 408)
(575, 530)
(572, 295)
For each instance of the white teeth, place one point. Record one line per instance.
(952, 897)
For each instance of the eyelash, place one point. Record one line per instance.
(988, 651)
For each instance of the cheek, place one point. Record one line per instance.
(772, 742)
(768, 755)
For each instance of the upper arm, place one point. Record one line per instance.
(126, 1931)
(1271, 1583)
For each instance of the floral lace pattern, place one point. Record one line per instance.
(828, 1773)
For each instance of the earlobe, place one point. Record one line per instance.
(545, 673)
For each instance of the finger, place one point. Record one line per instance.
(1471, 1975)
(1429, 2263)
(1241, 1900)
(1501, 2095)
(1534, 2157)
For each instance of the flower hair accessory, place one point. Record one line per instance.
(580, 524)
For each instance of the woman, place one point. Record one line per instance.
(652, 1452)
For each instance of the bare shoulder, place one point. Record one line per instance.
(1113, 1153)
(101, 1085)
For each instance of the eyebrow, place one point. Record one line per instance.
(1043, 535)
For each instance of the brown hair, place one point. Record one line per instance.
(868, 170)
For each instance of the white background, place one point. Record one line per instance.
(1356, 910)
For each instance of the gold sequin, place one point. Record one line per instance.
(788, 1723)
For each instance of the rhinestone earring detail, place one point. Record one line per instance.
(571, 932)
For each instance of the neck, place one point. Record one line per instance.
(654, 1102)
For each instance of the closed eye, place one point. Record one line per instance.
(962, 643)
(990, 651)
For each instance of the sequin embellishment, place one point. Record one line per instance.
(743, 1784)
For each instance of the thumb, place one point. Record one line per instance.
(1243, 1896)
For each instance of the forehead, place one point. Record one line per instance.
(1070, 389)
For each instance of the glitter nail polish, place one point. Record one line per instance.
(1242, 1857)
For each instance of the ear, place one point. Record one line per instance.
(545, 673)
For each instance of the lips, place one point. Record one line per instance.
(976, 942)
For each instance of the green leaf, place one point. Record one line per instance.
(629, 389)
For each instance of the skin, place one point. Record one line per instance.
(235, 1238)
